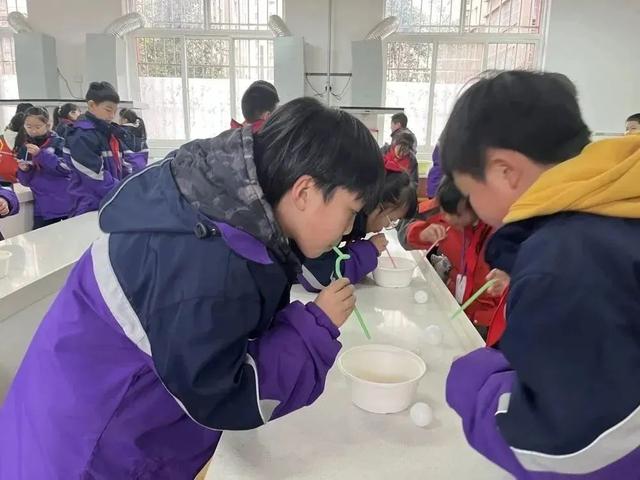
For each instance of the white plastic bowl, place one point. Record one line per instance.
(390, 276)
(383, 378)
(4, 263)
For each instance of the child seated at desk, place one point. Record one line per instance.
(400, 156)
(461, 237)
(561, 399)
(42, 169)
(177, 323)
(398, 201)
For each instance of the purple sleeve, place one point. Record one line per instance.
(51, 163)
(12, 200)
(318, 273)
(435, 174)
(136, 160)
(25, 178)
(475, 385)
(479, 389)
(293, 357)
(364, 260)
(227, 381)
(94, 181)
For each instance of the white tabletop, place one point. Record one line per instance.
(23, 193)
(334, 440)
(40, 257)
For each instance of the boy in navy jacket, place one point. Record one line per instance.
(177, 323)
(95, 151)
(258, 102)
(561, 399)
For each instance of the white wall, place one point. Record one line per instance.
(352, 20)
(594, 43)
(68, 21)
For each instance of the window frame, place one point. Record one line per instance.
(463, 37)
(194, 33)
(7, 32)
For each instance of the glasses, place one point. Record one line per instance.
(392, 223)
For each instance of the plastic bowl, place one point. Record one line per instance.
(4, 263)
(383, 378)
(390, 276)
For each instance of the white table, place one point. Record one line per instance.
(40, 263)
(40, 258)
(334, 440)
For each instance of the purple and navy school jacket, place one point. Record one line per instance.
(94, 170)
(48, 178)
(172, 328)
(135, 142)
(62, 127)
(561, 398)
(317, 273)
(7, 193)
(434, 177)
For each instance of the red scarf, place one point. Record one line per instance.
(393, 163)
(255, 126)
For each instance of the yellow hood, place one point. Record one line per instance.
(604, 180)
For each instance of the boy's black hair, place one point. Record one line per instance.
(260, 97)
(17, 122)
(17, 125)
(534, 113)
(303, 137)
(400, 190)
(101, 92)
(634, 118)
(449, 196)
(400, 118)
(63, 112)
(23, 107)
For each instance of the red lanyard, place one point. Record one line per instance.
(469, 265)
(463, 259)
(114, 145)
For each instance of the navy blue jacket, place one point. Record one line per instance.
(573, 337)
(214, 299)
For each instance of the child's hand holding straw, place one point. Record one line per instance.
(337, 301)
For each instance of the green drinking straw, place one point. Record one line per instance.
(472, 299)
(341, 258)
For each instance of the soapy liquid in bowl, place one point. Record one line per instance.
(381, 378)
(381, 367)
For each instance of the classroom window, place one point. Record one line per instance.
(8, 77)
(8, 6)
(171, 14)
(409, 81)
(460, 16)
(200, 74)
(160, 70)
(442, 45)
(253, 60)
(243, 14)
(209, 80)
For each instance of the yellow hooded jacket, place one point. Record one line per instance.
(603, 180)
